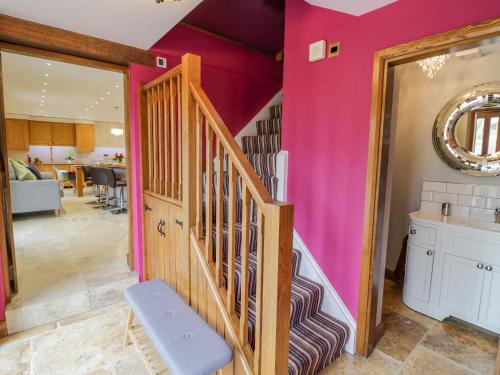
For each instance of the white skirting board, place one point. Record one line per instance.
(332, 303)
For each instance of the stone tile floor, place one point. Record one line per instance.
(68, 264)
(87, 344)
(418, 345)
(92, 343)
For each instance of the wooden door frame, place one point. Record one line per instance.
(88, 62)
(367, 333)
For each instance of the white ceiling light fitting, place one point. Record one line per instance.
(45, 83)
(432, 65)
(48, 64)
(117, 131)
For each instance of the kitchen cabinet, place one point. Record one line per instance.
(63, 134)
(17, 134)
(453, 269)
(40, 133)
(84, 138)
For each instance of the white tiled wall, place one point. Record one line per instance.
(467, 200)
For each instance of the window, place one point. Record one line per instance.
(484, 139)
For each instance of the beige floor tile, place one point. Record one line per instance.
(81, 348)
(131, 365)
(393, 301)
(15, 358)
(401, 335)
(72, 259)
(376, 364)
(423, 361)
(472, 347)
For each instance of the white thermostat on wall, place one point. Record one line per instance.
(317, 51)
(161, 62)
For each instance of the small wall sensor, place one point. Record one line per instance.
(334, 49)
(161, 62)
(317, 51)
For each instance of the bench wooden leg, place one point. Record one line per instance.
(130, 320)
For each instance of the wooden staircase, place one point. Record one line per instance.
(213, 231)
(193, 245)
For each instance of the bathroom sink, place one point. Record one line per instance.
(453, 220)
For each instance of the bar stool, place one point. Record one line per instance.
(116, 183)
(100, 182)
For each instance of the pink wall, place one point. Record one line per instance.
(239, 82)
(327, 112)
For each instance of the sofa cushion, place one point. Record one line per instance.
(12, 172)
(35, 171)
(22, 162)
(22, 172)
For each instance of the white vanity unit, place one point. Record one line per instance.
(453, 269)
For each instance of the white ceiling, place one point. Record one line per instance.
(137, 23)
(354, 7)
(70, 90)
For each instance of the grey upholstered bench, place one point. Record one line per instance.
(181, 340)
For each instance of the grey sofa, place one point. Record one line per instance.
(34, 195)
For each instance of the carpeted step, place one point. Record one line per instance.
(275, 111)
(316, 343)
(260, 144)
(271, 126)
(263, 164)
(270, 181)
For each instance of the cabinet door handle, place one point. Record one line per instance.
(161, 225)
(178, 222)
(147, 208)
(480, 266)
(489, 268)
(430, 252)
(413, 231)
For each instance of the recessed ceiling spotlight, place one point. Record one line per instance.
(46, 74)
(87, 109)
(44, 90)
(45, 83)
(109, 93)
(41, 104)
(91, 106)
(43, 96)
(96, 103)
(117, 86)
(102, 98)
(48, 64)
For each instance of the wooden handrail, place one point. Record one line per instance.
(229, 213)
(256, 187)
(165, 76)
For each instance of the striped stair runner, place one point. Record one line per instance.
(316, 338)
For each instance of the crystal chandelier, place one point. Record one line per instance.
(432, 65)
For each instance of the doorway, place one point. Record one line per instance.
(70, 244)
(373, 257)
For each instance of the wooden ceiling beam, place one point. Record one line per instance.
(32, 34)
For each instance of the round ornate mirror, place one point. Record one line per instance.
(466, 132)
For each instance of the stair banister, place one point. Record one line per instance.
(274, 228)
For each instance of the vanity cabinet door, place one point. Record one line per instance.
(419, 263)
(490, 301)
(461, 287)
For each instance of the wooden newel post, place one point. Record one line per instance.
(191, 73)
(277, 279)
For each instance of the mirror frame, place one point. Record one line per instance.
(443, 138)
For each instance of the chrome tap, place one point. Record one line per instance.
(497, 216)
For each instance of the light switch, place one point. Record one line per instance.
(317, 51)
(161, 62)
